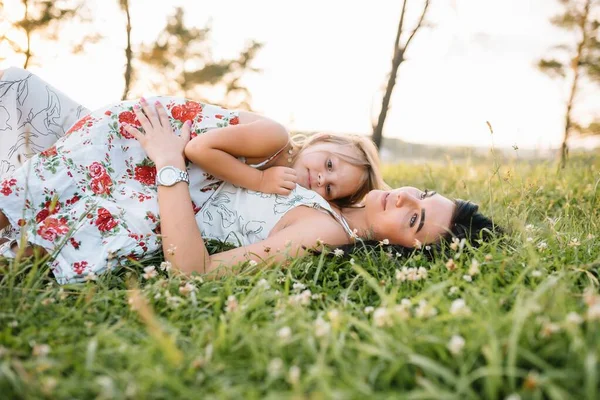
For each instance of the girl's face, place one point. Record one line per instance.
(407, 215)
(320, 168)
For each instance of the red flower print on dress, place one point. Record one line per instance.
(6, 184)
(96, 170)
(49, 152)
(128, 117)
(79, 267)
(218, 116)
(101, 185)
(105, 221)
(74, 243)
(80, 124)
(234, 121)
(51, 228)
(145, 174)
(187, 111)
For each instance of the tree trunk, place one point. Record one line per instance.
(396, 61)
(564, 149)
(128, 52)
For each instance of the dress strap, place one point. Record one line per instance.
(268, 160)
(338, 218)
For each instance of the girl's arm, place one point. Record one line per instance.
(216, 152)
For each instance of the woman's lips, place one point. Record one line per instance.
(308, 177)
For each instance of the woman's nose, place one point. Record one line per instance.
(404, 198)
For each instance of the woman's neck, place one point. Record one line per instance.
(357, 220)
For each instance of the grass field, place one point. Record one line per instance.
(513, 319)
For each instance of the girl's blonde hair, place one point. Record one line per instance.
(368, 159)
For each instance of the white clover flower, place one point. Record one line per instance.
(231, 305)
(427, 247)
(252, 263)
(542, 245)
(424, 310)
(369, 309)
(294, 375)
(384, 242)
(322, 327)
(529, 239)
(456, 344)
(418, 244)
(150, 272)
(298, 286)
(536, 273)
(401, 274)
(284, 333)
(171, 250)
(402, 310)
(468, 278)
(334, 316)
(274, 368)
(351, 261)
(450, 265)
(573, 318)
(453, 290)
(263, 284)
(91, 277)
(398, 255)
(474, 268)
(338, 252)
(454, 244)
(459, 307)
(187, 289)
(514, 396)
(593, 312)
(165, 266)
(421, 273)
(574, 242)
(41, 350)
(529, 228)
(13, 324)
(381, 317)
(548, 329)
(301, 298)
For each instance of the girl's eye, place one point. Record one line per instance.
(328, 189)
(413, 220)
(424, 194)
(329, 165)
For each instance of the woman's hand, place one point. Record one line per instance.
(159, 141)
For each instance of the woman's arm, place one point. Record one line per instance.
(216, 150)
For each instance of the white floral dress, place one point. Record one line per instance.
(90, 200)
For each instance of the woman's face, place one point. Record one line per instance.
(407, 215)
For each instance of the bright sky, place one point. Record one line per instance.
(325, 64)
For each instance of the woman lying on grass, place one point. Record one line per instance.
(266, 227)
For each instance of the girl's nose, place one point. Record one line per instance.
(319, 179)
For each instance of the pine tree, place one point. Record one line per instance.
(575, 61)
(182, 64)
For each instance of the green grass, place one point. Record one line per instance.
(528, 323)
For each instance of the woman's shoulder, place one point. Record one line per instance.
(312, 220)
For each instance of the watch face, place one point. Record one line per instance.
(167, 176)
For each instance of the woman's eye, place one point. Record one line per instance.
(413, 220)
(329, 164)
(424, 194)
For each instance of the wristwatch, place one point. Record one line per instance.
(169, 175)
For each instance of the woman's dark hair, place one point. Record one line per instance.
(466, 223)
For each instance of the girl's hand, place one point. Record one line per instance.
(278, 180)
(159, 141)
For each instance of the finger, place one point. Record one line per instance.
(284, 192)
(290, 171)
(288, 185)
(150, 113)
(134, 132)
(186, 131)
(147, 125)
(162, 115)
